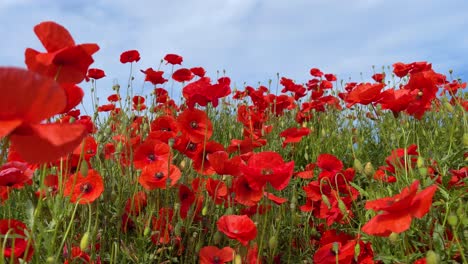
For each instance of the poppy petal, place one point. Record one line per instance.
(53, 36)
(7, 126)
(47, 142)
(28, 96)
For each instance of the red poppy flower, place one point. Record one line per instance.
(244, 194)
(329, 165)
(239, 227)
(186, 198)
(18, 243)
(399, 210)
(266, 167)
(163, 128)
(15, 174)
(151, 150)
(173, 59)
(335, 253)
(113, 98)
(159, 174)
(316, 72)
(395, 100)
(364, 93)
(202, 91)
(155, 77)
(106, 108)
(84, 189)
(64, 61)
(74, 95)
(26, 100)
(276, 199)
(221, 163)
(294, 135)
(308, 172)
(198, 71)
(246, 145)
(195, 124)
(96, 74)
(129, 56)
(182, 75)
(212, 254)
(201, 162)
(378, 77)
(330, 77)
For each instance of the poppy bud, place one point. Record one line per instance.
(357, 251)
(204, 211)
(84, 243)
(423, 171)
(147, 231)
(358, 165)
(238, 259)
(369, 169)
(273, 242)
(452, 219)
(50, 260)
(394, 237)
(72, 120)
(432, 257)
(217, 237)
(342, 207)
(84, 168)
(326, 201)
(465, 139)
(420, 162)
(177, 229)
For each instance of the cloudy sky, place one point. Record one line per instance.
(251, 40)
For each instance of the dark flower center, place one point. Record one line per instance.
(151, 157)
(159, 175)
(86, 188)
(194, 124)
(191, 146)
(267, 171)
(216, 260)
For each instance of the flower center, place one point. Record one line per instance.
(267, 171)
(151, 157)
(194, 124)
(159, 175)
(86, 188)
(216, 260)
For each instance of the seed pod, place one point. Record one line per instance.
(217, 238)
(420, 162)
(394, 237)
(452, 219)
(238, 259)
(84, 168)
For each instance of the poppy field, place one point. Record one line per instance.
(318, 171)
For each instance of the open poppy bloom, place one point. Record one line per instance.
(83, 189)
(294, 135)
(212, 254)
(157, 174)
(239, 227)
(26, 100)
(266, 167)
(195, 124)
(22, 246)
(130, 56)
(173, 59)
(64, 60)
(399, 210)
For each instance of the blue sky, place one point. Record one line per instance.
(251, 39)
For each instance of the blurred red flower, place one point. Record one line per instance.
(26, 100)
(18, 242)
(15, 174)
